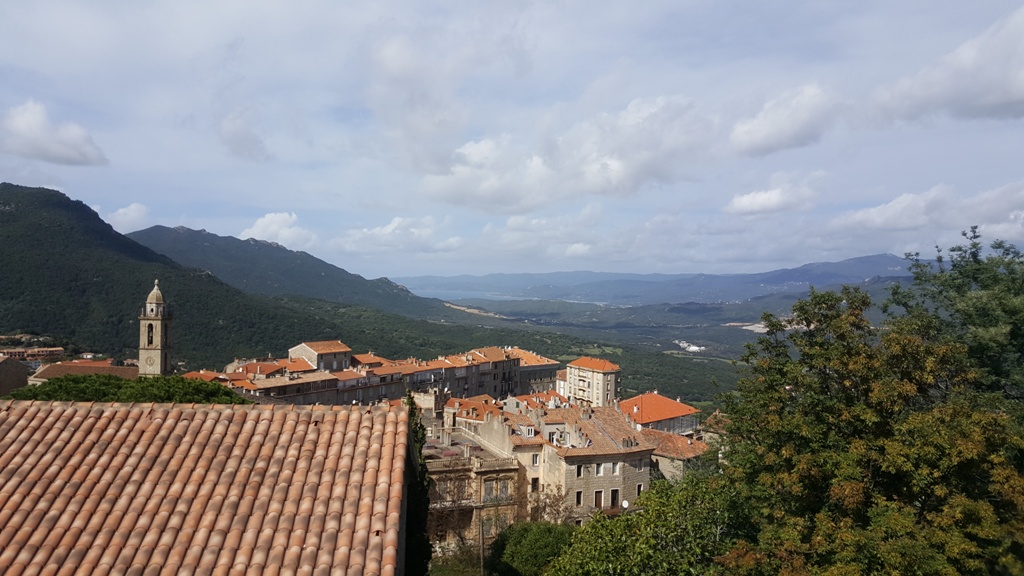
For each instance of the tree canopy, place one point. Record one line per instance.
(853, 448)
(107, 388)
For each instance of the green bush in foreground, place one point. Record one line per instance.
(106, 388)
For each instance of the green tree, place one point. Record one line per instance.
(673, 528)
(860, 450)
(975, 297)
(525, 549)
(417, 543)
(107, 388)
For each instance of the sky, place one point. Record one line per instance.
(402, 138)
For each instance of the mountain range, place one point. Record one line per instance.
(269, 269)
(646, 289)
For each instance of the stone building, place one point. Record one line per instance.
(154, 341)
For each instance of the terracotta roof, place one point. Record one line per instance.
(653, 407)
(327, 346)
(541, 399)
(516, 423)
(598, 364)
(606, 429)
(261, 368)
(482, 404)
(304, 378)
(61, 369)
(207, 489)
(205, 375)
(673, 445)
(296, 365)
(491, 353)
(527, 358)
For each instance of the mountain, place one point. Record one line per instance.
(648, 289)
(267, 268)
(66, 273)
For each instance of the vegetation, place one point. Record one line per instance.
(417, 545)
(106, 388)
(673, 528)
(853, 449)
(526, 549)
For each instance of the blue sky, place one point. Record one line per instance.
(399, 138)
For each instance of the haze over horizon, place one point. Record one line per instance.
(411, 138)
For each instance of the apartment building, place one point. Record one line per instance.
(592, 381)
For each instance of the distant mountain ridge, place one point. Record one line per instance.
(267, 268)
(647, 289)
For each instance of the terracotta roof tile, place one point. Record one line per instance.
(653, 407)
(673, 445)
(527, 358)
(167, 489)
(67, 369)
(605, 429)
(598, 364)
(327, 346)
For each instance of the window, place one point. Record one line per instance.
(598, 498)
(639, 489)
(536, 459)
(579, 497)
(488, 490)
(615, 468)
(529, 432)
(615, 498)
(579, 470)
(551, 437)
(599, 469)
(641, 465)
(535, 485)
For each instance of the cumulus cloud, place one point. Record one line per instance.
(130, 218)
(787, 191)
(983, 78)
(241, 139)
(794, 119)
(409, 235)
(28, 132)
(280, 227)
(649, 143)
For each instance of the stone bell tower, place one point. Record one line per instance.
(153, 344)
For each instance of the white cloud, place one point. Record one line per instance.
(787, 191)
(905, 212)
(28, 132)
(983, 78)
(280, 227)
(408, 235)
(130, 218)
(794, 119)
(651, 142)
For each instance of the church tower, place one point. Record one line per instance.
(153, 344)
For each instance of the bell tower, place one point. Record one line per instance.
(153, 344)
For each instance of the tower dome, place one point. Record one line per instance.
(155, 297)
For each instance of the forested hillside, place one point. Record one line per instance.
(269, 269)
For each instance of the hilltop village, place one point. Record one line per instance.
(510, 435)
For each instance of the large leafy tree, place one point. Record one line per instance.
(674, 528)
(976, 297)
(525, 549)
(861, 450)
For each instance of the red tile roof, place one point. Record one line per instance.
(62, 369)
(673, 445)
(527, 358)
(327, 346)
(181, 488)
(597, 364)
(653, 407)
(605, 429)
